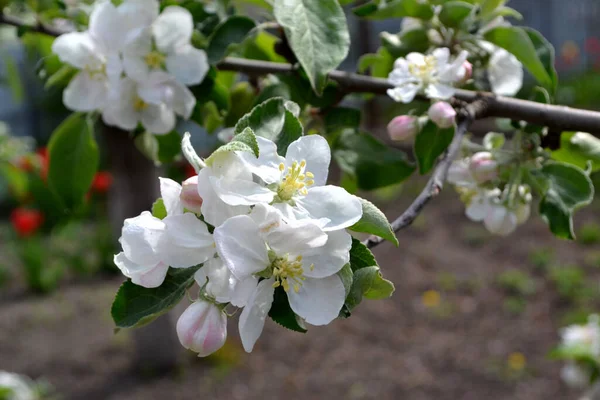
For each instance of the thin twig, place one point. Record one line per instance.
(557, 118)
(477, 109)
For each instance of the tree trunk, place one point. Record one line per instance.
(135, 188)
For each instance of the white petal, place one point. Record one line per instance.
(141, 238)
(296, 238)
(500, 221)
(505, 73)
(314, 149)
(419, 59)
(243, 290)
(188, 65)
(405, 93)
(158, 119)
(153, 278)
(85, 93)
(136, 15)
(77, 49)
(333, 203)
(241, 246)
(170, 192)
(237, 192)
(477, 209)
(119, 110)
(318, 301)
(214, 210)
(266, 166)
(134, 52)
(189, 242)
(173, 28)
(442, 55)
(459, 174)
(252, 319)
(106, 26)
(450, 73)
(330, 258)
(439, 91)
(182, 101)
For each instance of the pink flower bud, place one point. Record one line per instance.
(442, 114)
(403, 127)
(483, 167)
(202, 328)
(190, 198)
(467, 72)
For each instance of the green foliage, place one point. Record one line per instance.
(74, 158)
(378, 9)
(135, 305)
(159, 148)
(517, 282)
(360, 256)
(530, 48)
(276, 120)
(243, 141)
(229, 32)
(589, 233)
(369, 162)
(579, 149)
(514, 305)
(430, 143)
(453, 13)
(405, 42)
(158, 209)
(568, 280)
(374, 221)
(568, 188)
(282, 313)
(318, 34)
(541, 259)
(42, 274)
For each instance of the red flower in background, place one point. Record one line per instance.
(189, 171)
(39, 160)
(26, 221)
(102, 182)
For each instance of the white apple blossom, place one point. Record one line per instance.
(296, 255)
(151, 245)
(586, 337)
(202, 328)
(432, 75)
(166, 45)
(295, 185)
(504, 71)
(575, 375)
(220, 283)
(153, 103)
(95, 53)
(500, 220)
(16, 387)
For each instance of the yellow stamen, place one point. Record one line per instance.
(154, 59)
(139, 104)
(294, 182)
(288, 273)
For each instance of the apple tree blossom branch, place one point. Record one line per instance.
(475, 110)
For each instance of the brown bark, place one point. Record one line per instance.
(135, 188)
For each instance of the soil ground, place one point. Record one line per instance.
(408, 347)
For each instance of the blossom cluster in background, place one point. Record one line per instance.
(580, 347)
(263, 226)
(133, 65)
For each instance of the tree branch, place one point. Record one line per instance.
(557, 118)
(478, 109)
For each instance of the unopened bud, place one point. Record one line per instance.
(442, 114)
(190, 198)
(483, 167)
(202, 328)
(500, 221)
(403, 127)
(466, 72)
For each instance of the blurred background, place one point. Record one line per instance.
(473, 316)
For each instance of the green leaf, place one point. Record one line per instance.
(282, 313)
(394, 9)
(568, 188)
(413, 40)
(318, 34)
(494, 140)
(342, 117)
(227, 34)
(276, 90)
(158, 209)
(380, 64)
(374, 221)
(242, 99)
(346, 275)
(74, 156)
(244, 141)
(519, 42)
(135, 305)
(61, 77)
(489, 6)
(169, 147)
(210, 90)
(370, 161)
(371, 283)
(274, 119)
(430, 143)
(360, 256)
(579, 148)
(453, 13)
(546, 53)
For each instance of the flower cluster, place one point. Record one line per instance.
(500, 205)
(276, 227)
(133, 65)
(580, 346)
